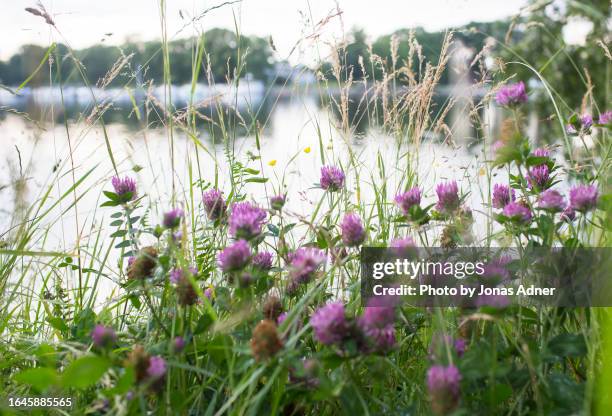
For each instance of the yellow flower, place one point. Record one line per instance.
(307, 149)
(272, 162)
(482, 172)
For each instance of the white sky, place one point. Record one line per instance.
(86, 22)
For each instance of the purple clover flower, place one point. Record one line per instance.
(124, 186)
(382, 339)
(502, 196)
(402, 243)
(460, 346)
(177, 236)
(497, 268)
(605, 118)
(583, 198)
(214, 204)
(332, 178)
(178, 274)
(353, 233)
(329, 323)
(448, 197)
(277, 202)
(402, 246)
(172, 218)
(304, 263)
(568, 214)
(443, 386)
(263, 260)
(538, 177)
(551, 200)
(439, 343)
(209, 292)
(377, 316)
(580, 126)
(512, 94)
(376, 324)
(517, 212)
(541, 152)
(157, 367)
(246, 220)
(586, 120)
(281, 318)
(103, 336)
(184, 287)
(178, 345)
(408, 199)
(234, 257)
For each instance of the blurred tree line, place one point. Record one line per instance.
(567, 68)
(224, 49)
(226, 52)
(356, 58)
(536, 37)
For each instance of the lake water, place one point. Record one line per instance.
(37, 155)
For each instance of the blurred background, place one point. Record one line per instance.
(76, 77)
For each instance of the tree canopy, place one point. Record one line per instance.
(223, 53)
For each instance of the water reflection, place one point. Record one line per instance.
(54, 155)
(288, 125)
(53, 107)
(207, 108)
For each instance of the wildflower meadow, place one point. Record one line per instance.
(213, 273)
